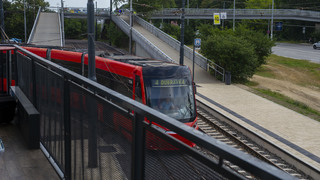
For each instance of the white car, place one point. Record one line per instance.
(316, 45)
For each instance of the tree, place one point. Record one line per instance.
(75, 28)
(145, 6)
(14, 18)
(258, 4)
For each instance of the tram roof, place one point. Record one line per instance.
(141, 61)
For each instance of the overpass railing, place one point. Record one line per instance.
(155, 52)
(240, 13)
(88, 131)
(31, 36)
(200, 60)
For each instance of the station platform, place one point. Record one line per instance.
(19, 163)
(291, 131)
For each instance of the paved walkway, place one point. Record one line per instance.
(20, 163)
(291, 131)
(47, 32)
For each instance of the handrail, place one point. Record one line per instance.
(34, 26)
(196, 13)
(202, 61)
(155, 52)
(60, 31)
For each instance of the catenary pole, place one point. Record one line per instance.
(93, 161)
(25, 21)
(110, 22)
(271, 35)
(182, 34)
(91, 45)
(62, 24)
(131, 23)
(234, 14)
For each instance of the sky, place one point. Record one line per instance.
(78, 3)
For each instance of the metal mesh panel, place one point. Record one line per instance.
(166, 161)
(49, 90)
(24, 65)
(2, 72)
(109, 156)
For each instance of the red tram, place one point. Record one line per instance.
(166, 87)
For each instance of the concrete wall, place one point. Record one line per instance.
(139, 51)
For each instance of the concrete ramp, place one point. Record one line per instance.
(47, 30)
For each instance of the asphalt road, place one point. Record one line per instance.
(297, 51)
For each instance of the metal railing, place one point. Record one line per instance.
(200, 60)
(199, 13)
(155, 52)
(88, 131)
(34, 27)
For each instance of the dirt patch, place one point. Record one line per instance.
(307, 95)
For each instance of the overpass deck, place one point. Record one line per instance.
(293, 132)
(47, 31)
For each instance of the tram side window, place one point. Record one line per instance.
(138, 93)
(123, 85)
(105, 78)
(115, 82)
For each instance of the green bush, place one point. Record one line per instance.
(241, 52)
(262, 44)
(233, 53)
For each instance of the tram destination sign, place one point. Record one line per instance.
(168, 82)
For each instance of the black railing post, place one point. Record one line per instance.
(48, 54)
(1, 72)
(34, 86)
(92, 128)
(67, 129)
(82, 63)
(7, 71)
(138, 152)
(15, 57)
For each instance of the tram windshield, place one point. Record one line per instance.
(173, 97)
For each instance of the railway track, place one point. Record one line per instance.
(221, 129)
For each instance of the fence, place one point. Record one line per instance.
(201, 13)
(88, 131)
(155, 52)
(34, 27)
(200, 60)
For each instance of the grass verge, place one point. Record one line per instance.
(289, 69)
(289, 103)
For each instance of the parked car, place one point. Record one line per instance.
(316, 45)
